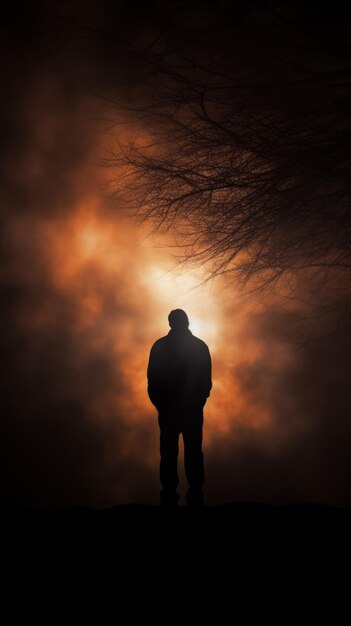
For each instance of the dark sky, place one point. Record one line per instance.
(84, 292)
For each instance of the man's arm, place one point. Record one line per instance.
(152, 375)
(204, 374)
(207, 372)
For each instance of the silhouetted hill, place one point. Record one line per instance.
(247, 506)
(238, 511)
(242, 534)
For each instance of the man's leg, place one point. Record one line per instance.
(169, 448)
(193, 456)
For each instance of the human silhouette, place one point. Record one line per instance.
(179, 383)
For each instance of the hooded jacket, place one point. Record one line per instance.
(179, 370)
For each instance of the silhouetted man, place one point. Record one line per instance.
(179, 383)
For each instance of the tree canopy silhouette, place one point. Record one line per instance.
(245, 148)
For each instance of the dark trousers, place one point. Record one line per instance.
(188, 421)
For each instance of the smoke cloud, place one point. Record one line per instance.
(84, 295)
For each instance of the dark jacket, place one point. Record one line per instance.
(179, 370)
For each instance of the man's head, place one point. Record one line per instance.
(178, 320)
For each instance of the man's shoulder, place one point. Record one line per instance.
(200, 343)
(159, 343)
(166, 341)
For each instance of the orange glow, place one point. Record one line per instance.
(174, 289)
(98, 263)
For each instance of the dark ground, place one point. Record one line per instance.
(248, 544)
